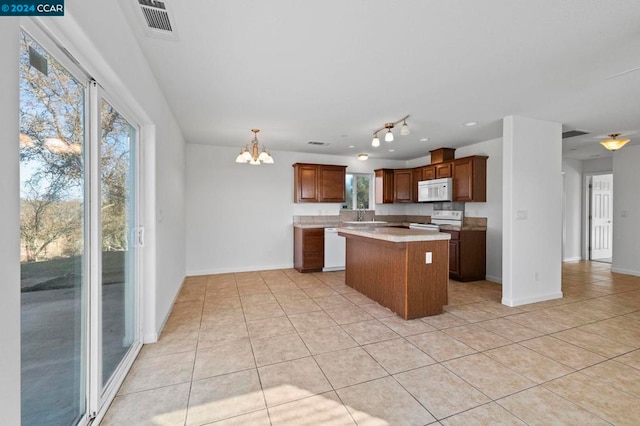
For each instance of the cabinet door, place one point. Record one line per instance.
(470, 179)
(307, 182)
(454, 258)
(308, 249)
(384, 186)
(428, 173)
(332, 184)
(313, 249)
(443, 170)
(402, 184)
(462, 179)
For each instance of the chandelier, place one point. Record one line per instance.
(252, 154)
(612, 143)
(388, 136)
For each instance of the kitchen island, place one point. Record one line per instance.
(405, 270)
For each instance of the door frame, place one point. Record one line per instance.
(586, 211)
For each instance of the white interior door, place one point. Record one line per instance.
(601, 216)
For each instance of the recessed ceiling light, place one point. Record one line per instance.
(343, 136)
(573, 149)
(352, 146)
(424, 140)
(392, 150)
(470, 123)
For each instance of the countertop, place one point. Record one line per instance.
(365, 224)
(394, 234)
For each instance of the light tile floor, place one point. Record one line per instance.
(284, 348)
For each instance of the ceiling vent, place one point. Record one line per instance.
(157, 19)
(319, 143)
(573, 133)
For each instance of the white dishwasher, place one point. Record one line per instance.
(334, 250)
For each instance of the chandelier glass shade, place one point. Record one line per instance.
(253, 153)
(388, 136)
(613, 144)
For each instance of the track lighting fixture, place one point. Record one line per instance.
(388, 136)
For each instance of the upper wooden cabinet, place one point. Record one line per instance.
(403, 185)
(331, 184)
(384, 186)
(470, 179)
(428, 172)
(444, 170)
(437, 171)
(319, 183)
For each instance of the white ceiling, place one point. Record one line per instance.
(334, 71)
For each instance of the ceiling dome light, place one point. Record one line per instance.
(404, 131)
(363, 157)
(375, 142)
(470, 123)
(613, 144)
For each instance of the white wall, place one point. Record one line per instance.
(572, 203)
(597, 165)
(239, 217)
(626, 211)
(9, 225)
(532, 211)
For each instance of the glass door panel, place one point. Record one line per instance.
(52, 213)
(118, 214)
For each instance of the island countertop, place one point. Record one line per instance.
(393, 234)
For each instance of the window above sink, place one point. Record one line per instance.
(358, 191)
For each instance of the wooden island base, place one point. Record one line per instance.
(395, 274)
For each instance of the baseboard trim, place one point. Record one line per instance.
(518, 302)
(625, 271)
(493, 279)
(572, 259)
(228, 270)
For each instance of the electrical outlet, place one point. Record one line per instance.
(428, 257)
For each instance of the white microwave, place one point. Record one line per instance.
(435, 190)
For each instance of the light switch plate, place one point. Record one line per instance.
(428, 257)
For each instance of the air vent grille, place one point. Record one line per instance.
(318, 143)
(156, 15)
(572, 133)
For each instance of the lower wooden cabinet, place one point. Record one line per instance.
(467, 255)
(308, 249)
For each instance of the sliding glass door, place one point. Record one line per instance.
(119, 236)
(79, 239)
(53, 239)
